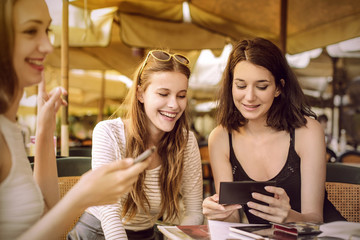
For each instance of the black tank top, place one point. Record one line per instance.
(288, 178)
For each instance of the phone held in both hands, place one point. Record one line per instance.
(239, 192)
(145, 155)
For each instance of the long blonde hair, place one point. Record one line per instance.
(170, 149)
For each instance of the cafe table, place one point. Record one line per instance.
(219, 230)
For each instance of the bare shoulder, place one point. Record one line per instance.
(310, 138)
(218, 143)
(311, 129)
(218, 135)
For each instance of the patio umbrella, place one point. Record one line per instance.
(309, 24)
(296, 26)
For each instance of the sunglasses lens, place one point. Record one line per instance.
(182, 59)
(160, 55)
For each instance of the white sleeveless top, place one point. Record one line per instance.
(21, 201)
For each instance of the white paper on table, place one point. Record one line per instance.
(173, 233)
(341, 229)
(219, 230)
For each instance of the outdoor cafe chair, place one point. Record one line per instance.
(343, 188)
(330, 155)
(352, 156)
(70, 170)
(209, 187)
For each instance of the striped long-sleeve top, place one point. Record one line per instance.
(109, 145)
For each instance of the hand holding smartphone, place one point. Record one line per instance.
(145, 155)
(239, 192)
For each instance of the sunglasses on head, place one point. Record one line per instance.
(164, 56)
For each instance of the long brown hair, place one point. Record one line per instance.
(8, 78)
(170, 149)
(288, 110)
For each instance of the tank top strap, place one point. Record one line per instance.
(292, 138)
(232, 153)
(230, 144)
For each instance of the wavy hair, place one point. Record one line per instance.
(8, 78)
(288, 110)
(170, 149)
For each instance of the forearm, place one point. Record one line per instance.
(295, 216)
(45, 169)
(56, 221)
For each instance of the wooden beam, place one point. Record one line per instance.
(65, 78)
(283, 25)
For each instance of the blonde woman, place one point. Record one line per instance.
(156, 117)
(29, 202)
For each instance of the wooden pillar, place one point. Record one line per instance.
(102, 97)
(283, 25)
(65, 78)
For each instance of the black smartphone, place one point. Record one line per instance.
(145, 155)
(239, 192)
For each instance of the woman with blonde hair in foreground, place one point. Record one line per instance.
(29, 202)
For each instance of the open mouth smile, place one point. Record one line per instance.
(35, 62)
(251, 106)
(167, 114)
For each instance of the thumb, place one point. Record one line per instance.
(215, 197)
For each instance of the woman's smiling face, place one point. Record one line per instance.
(164, 100)
(31, 42)
(253, 90)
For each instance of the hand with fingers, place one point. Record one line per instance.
(215, 211)
(278, 208)
(106, 184)
(48, 105)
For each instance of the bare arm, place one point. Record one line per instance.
(310, 145)
(104, 185)
(45, 170)
(221, 169)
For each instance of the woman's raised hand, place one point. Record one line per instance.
(106, 184)
(279, 205)
(48, 105)
(215, 211)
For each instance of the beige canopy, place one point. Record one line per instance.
(106, 41)
(310, 24)
(108, 33)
